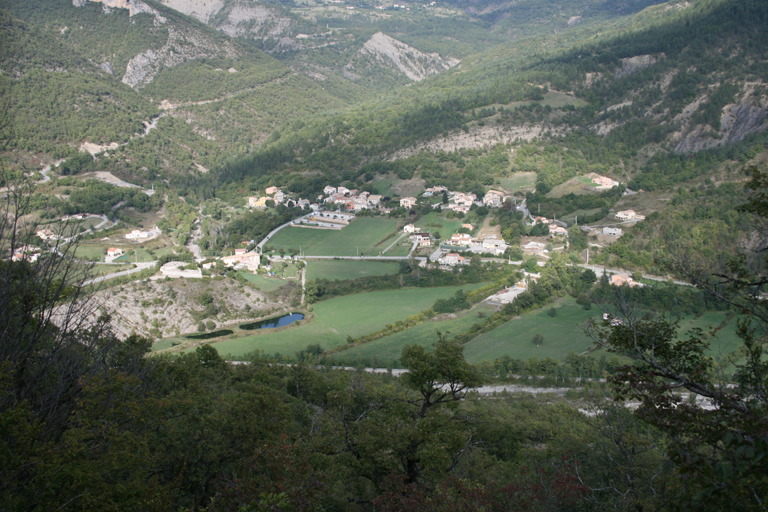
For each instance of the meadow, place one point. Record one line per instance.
(263, 283)
(519, 182)
(564, 333)
(362, 236)
(439, 222)
(345, 269)
(334, 320)
(386, 351)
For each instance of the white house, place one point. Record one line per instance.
(494, 245)
(461, 239)
(408, 202)
(113, 253)
(409, 228)
(629, 215)
(328, 190)
(612, 231)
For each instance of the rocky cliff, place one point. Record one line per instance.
(390, 53)
(184, 43)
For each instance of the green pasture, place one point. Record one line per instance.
(438, 221)
(263, 283)
(333, 320)
(133, 254)
(386, 351)
(361, 235)
(564, 333)
(345, 269)
(519, 182)
(90, 252)
(554, 99)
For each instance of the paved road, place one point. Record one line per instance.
(139, 267)
(260, 245)
(46, 170)
(602, 270)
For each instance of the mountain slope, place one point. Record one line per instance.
(384, 51)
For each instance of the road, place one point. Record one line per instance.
(46, 170)
(260, 245)
(139, 267)
(602, 270)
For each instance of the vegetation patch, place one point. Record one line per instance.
(209, 335)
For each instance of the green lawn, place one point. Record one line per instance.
(345, 269)
(361, 236)
(562, 334)
(386, 351)
(91, 252)
(438, 221)
(266, 284)
(335, 319)
(519, 181)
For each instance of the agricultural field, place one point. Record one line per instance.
(263, 283)
(362, 237)
(386, 351)
(332, 321)
(564, 333)
(519, 182)
(438, 221)
(345, 269)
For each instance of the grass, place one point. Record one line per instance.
(91, 252)
(386, 351)
(562, 334)
(519, 182)
(333, 320)
(362, 236)
(341, 270)
(266, 284)
(437, 221)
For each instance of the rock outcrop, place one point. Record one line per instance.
(736, 123)
(235, 17)
(393, 54)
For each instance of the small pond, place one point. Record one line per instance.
(270, 323)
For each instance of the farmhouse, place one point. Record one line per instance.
(612, 231)
(46, 234)
(328, 190)
(408, 202)
(409, 228)
(258, 202)
(494, 245)
(423, 239)
(555, 230)
(623, 279)
(452, 259)
(342, 190)
(458, 208)
(629, 215)
(279, 197)
(113, 253)
(604, 182)
(250, 260)
(26, 252)
(374, 200)
(461, 239)
(493, 199)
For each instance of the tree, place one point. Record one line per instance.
(537, 339)
(723, 448)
